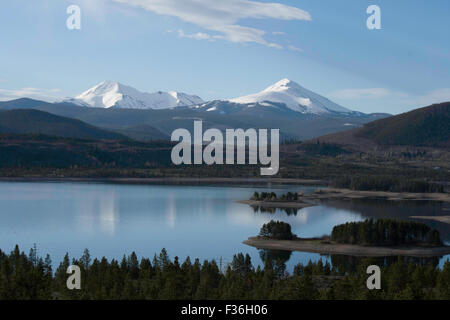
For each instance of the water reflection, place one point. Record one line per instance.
(98, 211)
(288, 211)
(171, 212)
(275, 260)
(342, 264)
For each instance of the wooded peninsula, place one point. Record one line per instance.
(383, 237)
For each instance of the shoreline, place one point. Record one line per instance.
(340, 194)
(314, 246)
(443, 219)
(324, 194)
(167, 180)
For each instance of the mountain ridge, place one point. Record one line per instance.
(292, 125)
(299, 113)
(112, 94)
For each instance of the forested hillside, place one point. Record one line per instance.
(429, 126)
(29, 121)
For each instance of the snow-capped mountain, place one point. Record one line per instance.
(109, 94)
(283, 94)
(295, 97)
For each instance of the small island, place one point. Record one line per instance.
(296, 200)
(270, 200)
(383, 237)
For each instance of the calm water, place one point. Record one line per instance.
(200, 221)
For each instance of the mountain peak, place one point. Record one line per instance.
(295, 97)
(106, 85)
(282, 85)
(108, 94)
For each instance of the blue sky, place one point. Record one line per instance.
(229, 48)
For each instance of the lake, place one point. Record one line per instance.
(199, 221)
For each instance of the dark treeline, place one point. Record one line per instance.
(29, 277)
(323, 149)
(19, 153)
(349, 264)
(383, 183)
(290, 141)
(386, 232)
(271, 196)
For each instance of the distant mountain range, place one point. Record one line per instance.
(110, 94)
(424, 127)
(107, 131)
(151, 124)
(298, 113)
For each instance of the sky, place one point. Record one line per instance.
(230, 48)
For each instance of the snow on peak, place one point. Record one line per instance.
(295, 97)
(282, 85)
(110, 94)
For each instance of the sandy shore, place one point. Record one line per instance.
(444, 219)
(331, 193)
(167, 180)
(316, 246)
(277, 204)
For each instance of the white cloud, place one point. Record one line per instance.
(34, 93)
(278, 33)
(196, 36)
(222, 16)
(296, 49)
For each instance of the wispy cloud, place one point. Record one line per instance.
(294, 48)
(222, 16)
(196, 36)
(50, 95)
